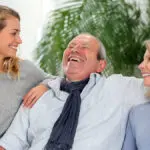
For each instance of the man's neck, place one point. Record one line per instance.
(75, 79)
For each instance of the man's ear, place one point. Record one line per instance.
(101, 66)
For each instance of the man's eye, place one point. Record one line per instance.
(84, 47)
(70, 46)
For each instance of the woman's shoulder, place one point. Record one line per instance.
(140, 111)
(26, 66)
(141, 107)
(29, 69)
(25, 62)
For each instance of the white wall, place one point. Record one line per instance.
(32, 14)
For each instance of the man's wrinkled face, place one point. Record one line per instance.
(80, 58)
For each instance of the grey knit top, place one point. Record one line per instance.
(12, 91)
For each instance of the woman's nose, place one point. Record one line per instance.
(141, 65)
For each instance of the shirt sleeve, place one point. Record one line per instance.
(129, 141)
(16, 137)
(132, 90)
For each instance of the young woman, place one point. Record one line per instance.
(16, 76)
(138, 126)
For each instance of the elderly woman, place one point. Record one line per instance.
(138, 126)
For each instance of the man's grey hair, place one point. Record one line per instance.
(101, 51)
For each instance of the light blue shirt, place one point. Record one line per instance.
(138, 129)
(102, 121)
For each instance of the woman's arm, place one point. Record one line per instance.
(33, 95)
(1, 148)
(39, 81)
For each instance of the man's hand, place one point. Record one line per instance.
(1, 148)
(33, 95)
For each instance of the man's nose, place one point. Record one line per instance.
(76, 48)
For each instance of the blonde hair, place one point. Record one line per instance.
(147, 44)
(147, 88)
(10, 64)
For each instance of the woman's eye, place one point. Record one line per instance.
(84, 47)
(14, 33)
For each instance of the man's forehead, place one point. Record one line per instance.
(83, 39)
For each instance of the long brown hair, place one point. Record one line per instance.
(10, 64)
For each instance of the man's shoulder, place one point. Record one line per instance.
(120, 78)
(45, 99)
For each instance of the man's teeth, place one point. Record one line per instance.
(75, 59)
(146, 74)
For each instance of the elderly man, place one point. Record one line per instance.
(83, 111)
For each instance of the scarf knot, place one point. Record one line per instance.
(70, 87)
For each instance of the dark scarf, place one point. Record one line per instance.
(64, 129)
